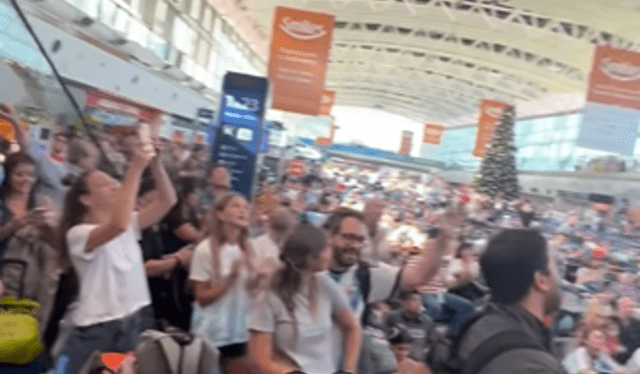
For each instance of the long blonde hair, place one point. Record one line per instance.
(216, 233)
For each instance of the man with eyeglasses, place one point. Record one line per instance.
(365, 283)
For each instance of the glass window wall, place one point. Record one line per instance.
(544, 144)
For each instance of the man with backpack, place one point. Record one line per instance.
(365, 283)
(510, 337)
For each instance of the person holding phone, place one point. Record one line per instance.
(51, 167)
(18, 200)
(99, 233)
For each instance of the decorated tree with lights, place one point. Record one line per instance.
(498, 174)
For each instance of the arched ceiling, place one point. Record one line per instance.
(434, 60)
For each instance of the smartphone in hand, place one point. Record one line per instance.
(144, 132)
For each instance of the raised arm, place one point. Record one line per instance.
(8, 113)
(165, 199)
(122, 211)
(420, 269)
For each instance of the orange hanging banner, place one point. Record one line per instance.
(615, 77)
(407, 142)
(432, 133)
(490, 113)
(326, 103)
(299, 55)
(611, 114)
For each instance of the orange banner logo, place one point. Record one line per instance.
(620, 71)
(494, 112)
(299, 56)
(432, 133)
(303, 30)
(490, 113)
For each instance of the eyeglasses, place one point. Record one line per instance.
(353, 238)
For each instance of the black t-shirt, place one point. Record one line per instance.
(169, 295)
(159, 287)
(181, 297)
(151, 244)
(178, 216)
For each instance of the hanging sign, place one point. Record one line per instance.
(432, 133)
(612, 112)
(490, 113)
(406, 143)
(298, 60)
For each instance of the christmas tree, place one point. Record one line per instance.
(497, 174)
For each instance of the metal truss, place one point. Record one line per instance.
(397, 53)
(494, 12)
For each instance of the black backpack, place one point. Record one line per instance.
(443, 357)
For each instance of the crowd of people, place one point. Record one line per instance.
(344, 270)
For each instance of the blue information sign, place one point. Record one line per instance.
(264, 141)
(237, 133)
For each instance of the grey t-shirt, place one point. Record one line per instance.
(309, 346)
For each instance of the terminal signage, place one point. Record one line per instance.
(237, 132)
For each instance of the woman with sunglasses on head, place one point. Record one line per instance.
(99, 233)
(290, 327)
(224, 277)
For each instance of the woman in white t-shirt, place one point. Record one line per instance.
(291, 325)
(99, 234)
(224, 274)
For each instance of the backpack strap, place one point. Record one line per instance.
(495, 346)
(192, 357)
(363, 276)
(462, 330)
(172, 352)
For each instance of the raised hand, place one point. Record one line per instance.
(140, 158)
(8, 112)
